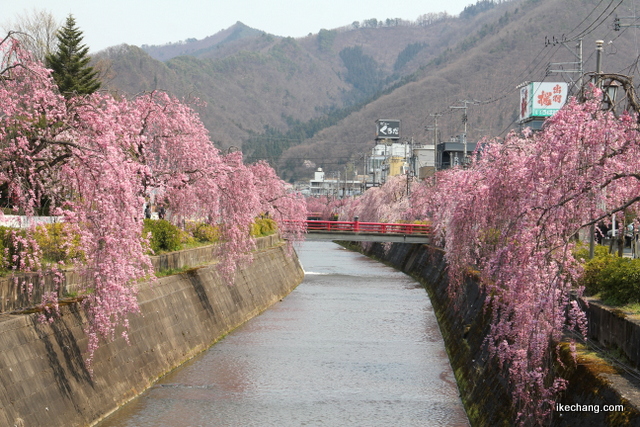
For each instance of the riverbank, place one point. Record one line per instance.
(595, 384)
(43, 377)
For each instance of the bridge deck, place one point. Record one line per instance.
(317, 235)
(357, 231)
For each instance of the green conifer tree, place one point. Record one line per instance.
(70, 64)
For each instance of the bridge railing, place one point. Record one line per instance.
(368, 227)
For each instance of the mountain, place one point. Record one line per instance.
(262, 84)
(196, 47)
(317, 98)
(245, 92)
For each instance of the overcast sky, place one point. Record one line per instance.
(112, 22)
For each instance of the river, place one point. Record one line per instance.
(356, 344)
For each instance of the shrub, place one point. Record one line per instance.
(58, 242)
(263, 227)
(186, 239)
(616, 279)
(581, 252)
(204, 233)
(164, 235)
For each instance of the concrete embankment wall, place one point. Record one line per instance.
(14, 294)
(43, 377)
(484, 389)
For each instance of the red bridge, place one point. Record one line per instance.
(368, 231)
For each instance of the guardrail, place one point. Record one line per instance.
(368, 227)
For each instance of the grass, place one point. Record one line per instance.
(173, 271)
(184, 246)
(632, 309)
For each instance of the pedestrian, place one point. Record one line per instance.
(161, 211)
(601, 232)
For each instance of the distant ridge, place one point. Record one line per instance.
(194, 47)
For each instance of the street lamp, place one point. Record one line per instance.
(610, 90)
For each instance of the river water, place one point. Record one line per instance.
(356, 344)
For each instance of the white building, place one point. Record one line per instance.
(398, 158)
(321, 185)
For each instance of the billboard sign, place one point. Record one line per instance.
(387, 129)
(542, 99)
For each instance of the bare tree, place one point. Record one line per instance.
(36, 31)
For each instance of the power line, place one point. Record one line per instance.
(534, 66)
(594, 25)
(586, 17)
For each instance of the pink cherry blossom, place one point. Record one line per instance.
(94, 159)
(514, 215)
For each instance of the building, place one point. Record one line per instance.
(399, 158)
(451, 153)
(386, 160)
(335, 186)
(423, 161)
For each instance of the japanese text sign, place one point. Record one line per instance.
(387, 129)
(542, 99)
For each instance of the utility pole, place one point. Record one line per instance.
(438, 161)
(577, 67)
(617, 24)
(435, 128)
(592, 228)
(464, 121)
(365, 173)
(344, 187)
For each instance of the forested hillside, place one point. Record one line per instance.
(316, 98)
(510, 43)
(257, 87)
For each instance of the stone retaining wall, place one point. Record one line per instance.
(202, 255)
(45, 381)
(615, 329)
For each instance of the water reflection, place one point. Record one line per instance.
(356, 344)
